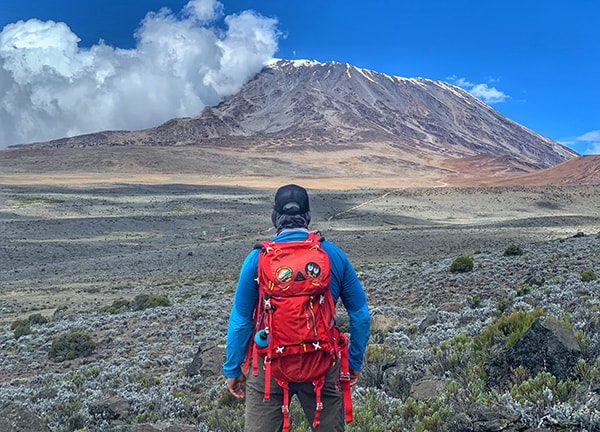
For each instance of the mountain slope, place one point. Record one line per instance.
(336, 104)
(318, 119)
(580, 170)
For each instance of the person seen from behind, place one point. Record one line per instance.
(323, 404)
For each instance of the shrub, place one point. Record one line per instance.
(588, 275)
(503, 304)
(453, 354)
(534, 390)
(68, 346)
(226, 414)
(146, 301)
(379, 357)
(18, 323)
(512, 326)
(512, 250)
(117, 306)
(20, 328)
(37, 319)
(140, 302)
(525, 289)
(462, 263)
(374, 412)
(474, 300)
(60, 310)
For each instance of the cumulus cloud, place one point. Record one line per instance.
(482, 91)
(51, 88)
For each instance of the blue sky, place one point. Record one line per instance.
(70, 67)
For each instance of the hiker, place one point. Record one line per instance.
(327, 405)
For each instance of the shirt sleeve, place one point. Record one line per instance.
(241, 320)
(346, 285)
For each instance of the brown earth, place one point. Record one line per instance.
(377, 166)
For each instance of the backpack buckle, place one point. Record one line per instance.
(267, 303)
(344, 376)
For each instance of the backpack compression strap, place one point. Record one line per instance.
(318, 386)
(345, 376)
(285, 408)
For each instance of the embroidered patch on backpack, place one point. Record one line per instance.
(284, 274)
(312, 270)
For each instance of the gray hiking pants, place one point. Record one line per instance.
(266, 416)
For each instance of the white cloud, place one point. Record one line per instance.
(590, 136)
(51, 88)
(590, 142)
(204, 11)
(482, 91)
(594, 149)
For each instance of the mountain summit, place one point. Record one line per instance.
(335, 105)
(334, 119)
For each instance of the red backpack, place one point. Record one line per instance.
(295, 329)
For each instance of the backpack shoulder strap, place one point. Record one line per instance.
(251, 354)
(315, 236)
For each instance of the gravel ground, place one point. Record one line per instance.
(86, 246)
(78, 249)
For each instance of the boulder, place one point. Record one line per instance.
(206, 362)
(15, 417)
(112, 408)
(547, 345)
(427, 388)
(481, 418)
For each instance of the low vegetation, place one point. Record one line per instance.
(462, 264)
(513, 250)
(24, 200)
(443, 331)
(147, 301)
(22, 327)
(140, 302)
(71, 345)
(588, 275)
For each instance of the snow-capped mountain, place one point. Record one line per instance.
(352, 120)
(333, 104)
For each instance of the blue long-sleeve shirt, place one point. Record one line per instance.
(343, 284)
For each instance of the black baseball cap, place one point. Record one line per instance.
(291, 200)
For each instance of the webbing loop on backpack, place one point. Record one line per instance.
(267, 395)
(318, 386)
(285, 408)
(254, 360)
(345, 376)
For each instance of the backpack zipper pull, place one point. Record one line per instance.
(312, 315)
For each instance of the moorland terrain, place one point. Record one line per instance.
(71, 250)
